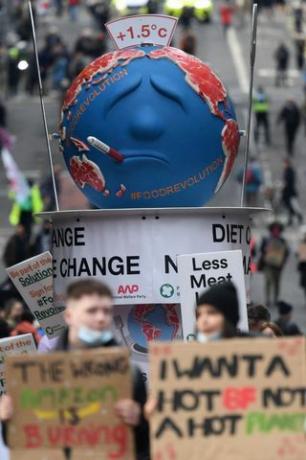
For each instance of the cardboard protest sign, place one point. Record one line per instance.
(198, 272)
(19, 345)
(241, 399)
(41, 455)
(68, 399)
(33, 278)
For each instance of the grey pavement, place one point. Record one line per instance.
(229, 57)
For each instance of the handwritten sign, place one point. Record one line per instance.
(234, 400)
(198, 272)
(156, 29)
(20, 345)
(68, 399)
(33, 278)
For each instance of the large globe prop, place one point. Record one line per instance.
(148, 126)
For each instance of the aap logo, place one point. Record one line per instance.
(166, 290)
(128, 289)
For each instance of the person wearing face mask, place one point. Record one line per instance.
(89, 315)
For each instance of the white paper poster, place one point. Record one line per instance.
(33, 278)
(19, 345)
(199, 272)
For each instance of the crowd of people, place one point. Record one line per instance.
(89, 304)
(89, 317)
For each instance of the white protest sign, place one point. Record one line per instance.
(19, 345)
(198, 272)
(135, 254)
(33, 278)
(129, 31)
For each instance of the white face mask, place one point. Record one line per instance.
(204, 338)
(92, 337)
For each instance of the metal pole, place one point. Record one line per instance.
(252, 68)
(42, 104)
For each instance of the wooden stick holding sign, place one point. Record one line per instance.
(68, 400)
(235, 400)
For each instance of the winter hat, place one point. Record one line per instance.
(224, 298)
(284, 308)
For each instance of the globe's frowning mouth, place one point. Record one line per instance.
(150, 156)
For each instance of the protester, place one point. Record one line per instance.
(217, 313)
(17, 247)
(282, 61)
(26, 326)
(186, 17)
(4, 329)
(261, 110)
(253, 181)
(300, 53)
(290, 194)
(270, 329)
(43, 241)
(100, 11)
(3, 114)
(301, 253)
(47, 191)
(257, 316)
(217, 317)
(89, 315)
(188, 42)
(274, 253)
(226, 12)
(23, 213)
(284, 321)
(13, 312)
(73, 10)
(290, 116)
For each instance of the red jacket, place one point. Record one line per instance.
(226, 14)
(26, 328)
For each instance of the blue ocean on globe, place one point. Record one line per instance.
(169, 118)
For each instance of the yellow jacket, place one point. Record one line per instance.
(35, 204)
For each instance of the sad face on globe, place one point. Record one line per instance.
(148, 127)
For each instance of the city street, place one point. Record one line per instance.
(229, 56)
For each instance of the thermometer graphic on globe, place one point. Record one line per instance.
(106, 149)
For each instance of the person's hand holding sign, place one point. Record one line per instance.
(129, 411)
(6, 408)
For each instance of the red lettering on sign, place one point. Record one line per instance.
(239, 398)
(33, 436)
(162, 32)
(128, 289)
(115, 437)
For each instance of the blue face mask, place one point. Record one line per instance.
(92, 337)
(203, 338)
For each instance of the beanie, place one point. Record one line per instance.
(224, 298)
(284, 308)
